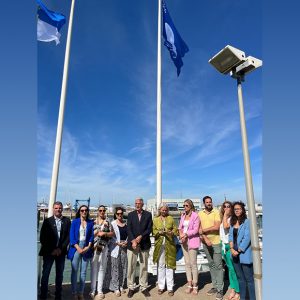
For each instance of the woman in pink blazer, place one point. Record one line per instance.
(190, 242)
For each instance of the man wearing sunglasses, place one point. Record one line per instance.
(139, 227)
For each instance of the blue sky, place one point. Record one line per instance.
(109, 150)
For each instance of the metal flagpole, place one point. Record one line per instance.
(55, 170)
(250, 199)
(158, 134)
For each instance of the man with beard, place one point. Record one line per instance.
(209, 234)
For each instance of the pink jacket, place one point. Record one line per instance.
(193, 230)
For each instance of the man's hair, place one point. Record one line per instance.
(206, 197)
(58, 203)
(139, 198)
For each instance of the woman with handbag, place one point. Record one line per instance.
(102, 233)
(164, 231)
(80, 251)
(190, 241)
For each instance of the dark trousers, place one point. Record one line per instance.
(244, 273)
(48, 261)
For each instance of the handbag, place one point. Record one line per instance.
(179, 252)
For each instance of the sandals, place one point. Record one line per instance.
(160, 292)
(195, 290)
(189, 289)
(231, 295)
(171, 293)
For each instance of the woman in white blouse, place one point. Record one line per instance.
(226, 213)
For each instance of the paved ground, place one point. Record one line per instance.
(180, 285)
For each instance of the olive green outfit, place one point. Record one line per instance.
(170, 246)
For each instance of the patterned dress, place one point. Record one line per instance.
(119, 263)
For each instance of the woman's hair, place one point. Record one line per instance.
(243, 216)
(223, 209)
(101, 206)
(116, 209)
(78, 211)
(190, 202)
(161, 205)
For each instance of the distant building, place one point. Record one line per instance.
(114, 206)
(174, 204)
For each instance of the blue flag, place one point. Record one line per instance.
(172, 39)
(49, 24)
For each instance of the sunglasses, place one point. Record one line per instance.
(83, 210)
(119, 214)
(226, 206)
(186, 205)
(102, 210)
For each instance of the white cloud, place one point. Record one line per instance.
(89, 174)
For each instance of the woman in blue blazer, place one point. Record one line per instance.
(81, 241)
(240, 248)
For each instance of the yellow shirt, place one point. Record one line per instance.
(208, 219)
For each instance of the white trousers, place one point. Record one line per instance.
(98, 269)
(164, 274)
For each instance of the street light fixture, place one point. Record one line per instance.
(233, 61)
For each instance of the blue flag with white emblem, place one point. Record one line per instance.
(173, 40)
(49, 24)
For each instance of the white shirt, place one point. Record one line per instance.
(82, 233)
(224, 233)
(185, 225)
(58, 227)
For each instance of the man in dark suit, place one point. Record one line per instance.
(139, 228)
(54, 238)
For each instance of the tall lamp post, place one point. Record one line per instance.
(233, 61)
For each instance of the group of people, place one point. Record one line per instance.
(112, 249)
(225, 235)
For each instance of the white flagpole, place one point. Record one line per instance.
(60, 122)
(158, 134)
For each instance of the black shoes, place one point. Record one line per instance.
(130, 293)
(146, 293)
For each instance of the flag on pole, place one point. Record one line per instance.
(49, 24)
(173, 40)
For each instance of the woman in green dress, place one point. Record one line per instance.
(164, 230)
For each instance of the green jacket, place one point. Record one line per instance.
(170, 247)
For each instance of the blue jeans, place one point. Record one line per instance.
(244, 273)
(77, 259)
(48, 261)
